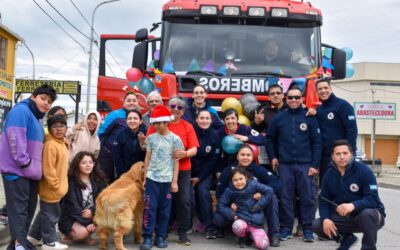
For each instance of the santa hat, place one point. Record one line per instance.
(161, 114)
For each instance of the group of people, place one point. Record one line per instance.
(284, 151)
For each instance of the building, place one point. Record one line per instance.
(8, 43)
(359, 89)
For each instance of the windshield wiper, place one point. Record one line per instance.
(204, 72)
(266, 73)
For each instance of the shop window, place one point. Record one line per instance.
(3, 51)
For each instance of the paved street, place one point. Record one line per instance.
(389, 236)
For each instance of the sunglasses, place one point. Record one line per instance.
(275, 93)
(293, 97)
(174, 106)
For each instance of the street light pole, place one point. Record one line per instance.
(91, 54)
(33, 59)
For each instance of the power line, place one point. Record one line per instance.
(73, 26)
(60, 26)
(351, 91)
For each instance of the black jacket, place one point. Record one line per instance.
(72, 206)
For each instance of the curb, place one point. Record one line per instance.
(387, 185)
(4, 235)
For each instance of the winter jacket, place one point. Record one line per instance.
(269, 113)
(83, 140)
(191, 112)
(248, 209)
(206, 159)
(112, 125)
(261, 174)
(254, 138)
(72, 206)
(21, 142)
(126, 149)
(54, 184)
(337, 121)
(357, 185)
(294, 137)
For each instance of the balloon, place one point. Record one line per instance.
(230, 144)
(349, 70)
(247, 98)
(255, 150)
(349, 53)
(134, 74)
(146, 85)
(233, 103)
(250, 109)
(244, 120)
(134, 84)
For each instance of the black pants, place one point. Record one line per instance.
(181, 202)
(21, 198)
(368, 222)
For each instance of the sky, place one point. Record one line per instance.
(369, 27)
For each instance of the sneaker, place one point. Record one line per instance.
(285, 235)
(199, 228)
(184, 240)
(3, 220)
(308, 236)
(347, 242)
(241, 243)
(210, 235)
(54, 246)
(146, 245)
(160, 242)
(274, 242)
(34, 241)
(299, 231)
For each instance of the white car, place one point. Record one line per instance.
(360, 155)
(398, 162)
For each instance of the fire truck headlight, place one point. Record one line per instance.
(208, 10)
(278, 12)
(311, 12)
(256, 11)
(175, 7)
(231, 11)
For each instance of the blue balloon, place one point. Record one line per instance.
(349, 53)
(349, 70)
(230, 144)
(146, 85)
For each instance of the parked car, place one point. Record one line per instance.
(360, 155)
(398, 162)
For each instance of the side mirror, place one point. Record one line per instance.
(140, 55)
(141, 35)
(339, 62)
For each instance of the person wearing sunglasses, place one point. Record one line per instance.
(199, 102)
(181, 201)
(295, 147)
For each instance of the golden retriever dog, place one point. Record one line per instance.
(119, 208)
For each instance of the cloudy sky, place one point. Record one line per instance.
(369, 27)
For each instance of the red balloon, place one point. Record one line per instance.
(254, 148)
(134, 74)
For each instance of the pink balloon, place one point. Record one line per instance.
(134, 74)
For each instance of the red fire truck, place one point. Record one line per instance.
(223, 45)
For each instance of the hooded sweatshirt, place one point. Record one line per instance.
(83, 140)
(54, 184)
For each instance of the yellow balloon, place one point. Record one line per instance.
(244, 120)
(232, 102)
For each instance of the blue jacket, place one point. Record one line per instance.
(337, 121)
(126, 149)
(21, 143)
(112, 125)
(191, 113)
(249, 209)
(259, 173)
(254, 138)
(206, 159)
(294, 137)
(357, 185)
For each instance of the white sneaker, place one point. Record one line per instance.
(34, 241)
(54, 246)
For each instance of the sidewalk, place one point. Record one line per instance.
(388, 178)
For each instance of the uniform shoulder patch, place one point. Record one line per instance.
(352, 117)
(373, 187)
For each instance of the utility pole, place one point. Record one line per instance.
(33, 59)
(89, 81)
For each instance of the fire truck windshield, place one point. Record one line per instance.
(240, 49)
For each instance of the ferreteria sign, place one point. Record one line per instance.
(372, 110)
(62, 87)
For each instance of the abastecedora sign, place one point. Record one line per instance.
(378, 111)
